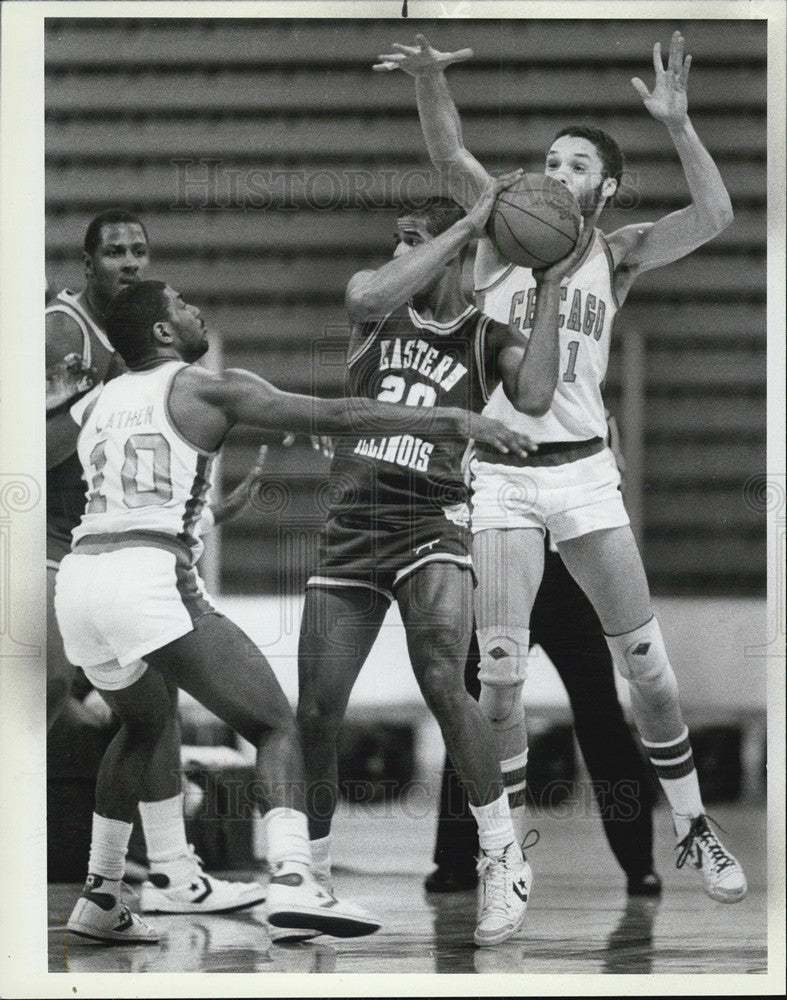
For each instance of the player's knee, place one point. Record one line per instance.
(504, 653)
(442, 686)
(641, 658)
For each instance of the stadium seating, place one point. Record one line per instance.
(266, 158)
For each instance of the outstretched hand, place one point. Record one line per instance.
(420, 60)
(480, 212)
(668, 102)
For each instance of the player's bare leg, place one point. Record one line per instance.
(59, 672)
(510, 564)
(436, 603)
(608, 567)
(219, 665)
(338, 629)
(145, 709)
(437, 611)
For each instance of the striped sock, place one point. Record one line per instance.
(515, 782)
(674, 765)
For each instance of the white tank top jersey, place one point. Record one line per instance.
(147, 485)
(507, 293)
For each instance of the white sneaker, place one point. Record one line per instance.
(288, 935)
(103, 916)
(197, 892)
(503, 895)
(721, 873)
(296, 900)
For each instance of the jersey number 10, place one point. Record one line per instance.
(145, 476)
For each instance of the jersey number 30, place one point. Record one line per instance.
(145, 476)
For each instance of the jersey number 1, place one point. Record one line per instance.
(570, 375)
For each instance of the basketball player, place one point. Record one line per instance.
(575, 497)
(134, 616)
(566, 627)
(397, 527)
(79, 358)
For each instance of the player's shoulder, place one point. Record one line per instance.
(623, 244)
(195, 380)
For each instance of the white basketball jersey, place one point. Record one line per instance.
(146, 483)
(507, 293)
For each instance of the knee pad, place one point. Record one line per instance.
(641, 657)
(502, 673)
(504, 655)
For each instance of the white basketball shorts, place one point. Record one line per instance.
(114, 607)
(568, 499)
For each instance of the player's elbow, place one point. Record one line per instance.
(360, 303)
(717, 217)
(532, 404)
(537, 409)
(725, 216)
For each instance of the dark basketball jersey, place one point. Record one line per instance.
(65, 487)
(417, 362)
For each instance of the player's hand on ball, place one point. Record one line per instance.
(503, 438)
(420, 60)
(668, 102)
(557, 271)
(479, 214)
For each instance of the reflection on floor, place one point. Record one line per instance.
(579, 921)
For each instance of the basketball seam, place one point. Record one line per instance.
(535, 256)
(532, 215)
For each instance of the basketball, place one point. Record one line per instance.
(535, 222)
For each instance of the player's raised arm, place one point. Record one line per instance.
(440, 121)
(374, 293)
(238, 396)
(530, 368)
(639, 248)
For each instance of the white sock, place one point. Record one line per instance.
(108, 846)
(164, 829)
(495, 831)
(287, 836)
(321, 856)
(673, 762)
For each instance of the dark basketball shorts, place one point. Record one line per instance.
(381, 555)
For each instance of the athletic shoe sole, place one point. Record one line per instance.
(106, 938)
(291, 935)
(335, 924)
(486, 941)
(150, 903)
(726, 895)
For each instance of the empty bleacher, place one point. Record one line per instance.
(267, 160)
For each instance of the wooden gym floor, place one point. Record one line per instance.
(579, 920)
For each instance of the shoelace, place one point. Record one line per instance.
(527, 843)
(699, 830)
(495, 886)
